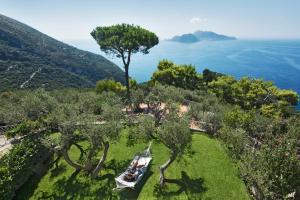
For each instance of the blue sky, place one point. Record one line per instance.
(75, 19)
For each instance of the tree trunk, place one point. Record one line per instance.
(88, 164)
(163, 168)
(127, 82)
(101, 161)
(69, 161)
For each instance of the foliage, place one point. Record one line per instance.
(253, 123)
(122, 40)
(275, 169)
(77, 122)
(37, 104)
(254, 94)
(143, 130)
(118, 39)
(207, 111)
(266, 150)
(183, 76)
(222, 88)
(26, 106)
(174, 132)
(235, 139)
(109, 85)
(133, 83)
(17, 165)
(238, 118)
(137, 98)
(22, 129)
(209, 76)
(159, 98)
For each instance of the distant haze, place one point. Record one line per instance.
(75, 19)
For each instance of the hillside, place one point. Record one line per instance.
(200, 36)
(31, 59)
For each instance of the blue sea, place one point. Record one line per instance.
(272, 60)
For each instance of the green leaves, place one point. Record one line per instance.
(121, 38)
(109, 85)
(183, 76)
(174, 132)
(142, 130)
(235, 139)
(17, 165)
(254, 94)
(275, 168)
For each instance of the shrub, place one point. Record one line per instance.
(235, 139)
(17, 165)
(108, 85)
(24, 128)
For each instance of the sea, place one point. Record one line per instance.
(271, 60)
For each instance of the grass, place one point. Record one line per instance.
(206, 173)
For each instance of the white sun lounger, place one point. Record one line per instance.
(144, 160)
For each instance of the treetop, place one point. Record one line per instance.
(120, 38)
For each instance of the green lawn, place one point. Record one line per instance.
(206, 173)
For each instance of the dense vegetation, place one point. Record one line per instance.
(24, 50)
(20, 163)
(248, 93)
(89, 124)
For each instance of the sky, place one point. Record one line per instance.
(75, 19)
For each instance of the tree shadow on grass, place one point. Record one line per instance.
(28, 188)
(65, 188)
(79, 186)
(117, 166)
(193, 188)
(57, 171)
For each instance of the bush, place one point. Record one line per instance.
(274, 169)
(235, 139)
(183, 76)
(17, 165)
(24, 128)
(108, 85)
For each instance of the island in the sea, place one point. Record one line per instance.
(200, 36)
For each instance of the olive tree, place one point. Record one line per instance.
(123, 40)
(175, 134)
(76, 121)
(160, 97)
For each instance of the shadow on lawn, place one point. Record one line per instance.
(80, 186)
(59, 169)
(193, 188)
